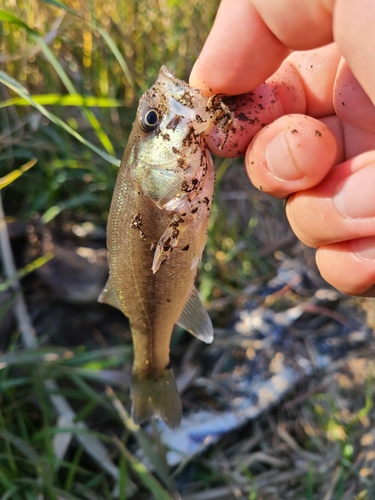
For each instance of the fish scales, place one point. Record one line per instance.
(153, 302)
(157, 229)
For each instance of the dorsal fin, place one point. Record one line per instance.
(195, 319)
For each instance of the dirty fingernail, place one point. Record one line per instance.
(280, 161)
(364, 248)
(354, 196)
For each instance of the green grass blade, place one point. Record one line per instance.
(89, 393)
(25, 448)
(223, 167)
(10, 18)
(123, 479)
(60, 5)
(147, 479)
(29, 268)
(10, 494)
(19, 89)
(12, 176)
(120, 59)
(5, 385)
(11, 460)
(144, 441)
(6, 483)
(52, 212)
(115, 357)
(91, 118)
(66, 100)
(73, 468)
(113, 377)
(35, 357)
(22, 420)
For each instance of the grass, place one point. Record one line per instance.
(104, 56)
(71, 75)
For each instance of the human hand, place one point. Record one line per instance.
(311, 124)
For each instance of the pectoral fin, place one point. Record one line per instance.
(201, 243)
(109, 295)
(168, 241)
(195, 319)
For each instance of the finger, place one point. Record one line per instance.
(303, 83)
(340, 208)
(354, 32)
(250, 115)
(294, 153)
(357, 141)
(355, 111)
(354, 132)
(250, 39)
(317, 71)
(349, 266)
(352, 105)
(233, 58)
(298, 24)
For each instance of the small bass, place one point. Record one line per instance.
(156, 233)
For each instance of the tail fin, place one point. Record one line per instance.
(156, 397)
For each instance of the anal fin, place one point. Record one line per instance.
(195, 319)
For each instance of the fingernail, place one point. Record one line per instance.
(280, 161)
(354, 196)
(364, 248)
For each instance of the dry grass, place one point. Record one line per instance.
(317, 443)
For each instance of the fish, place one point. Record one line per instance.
(156, 233)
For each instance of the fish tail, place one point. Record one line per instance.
(156, 397)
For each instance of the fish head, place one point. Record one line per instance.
(168, 153)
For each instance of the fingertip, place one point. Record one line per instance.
(342, 267)
(292, 154)
(251, 112)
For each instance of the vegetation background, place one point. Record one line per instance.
(71, 75)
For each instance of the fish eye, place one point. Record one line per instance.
(150, 120)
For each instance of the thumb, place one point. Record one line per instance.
(294, 153)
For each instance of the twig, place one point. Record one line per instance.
(302, 398)
(67, 416)
(332, 485)
(27, 331)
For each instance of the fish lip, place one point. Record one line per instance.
(164, 71)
